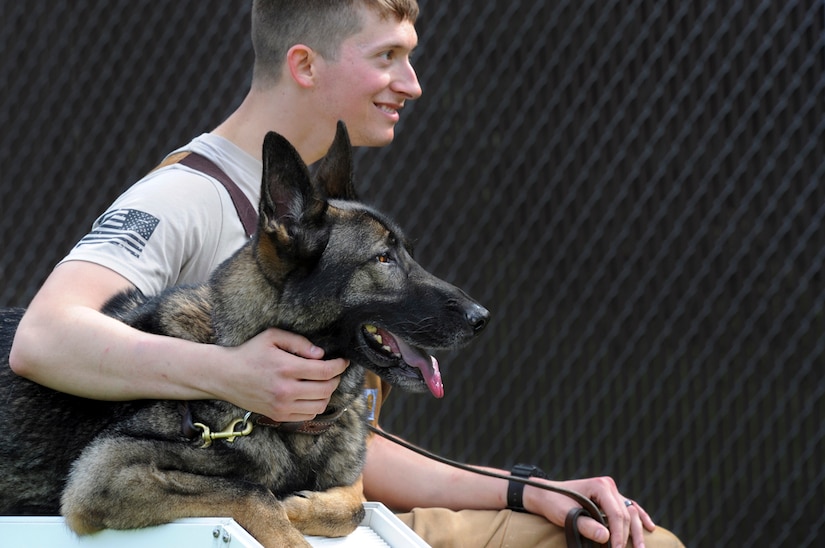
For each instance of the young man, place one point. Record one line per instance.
(315, 62)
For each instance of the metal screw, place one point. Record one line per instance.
(224, 535)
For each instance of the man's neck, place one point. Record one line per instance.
(262, 112)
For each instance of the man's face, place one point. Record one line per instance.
(371, 79)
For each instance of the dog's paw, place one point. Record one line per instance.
(324, 513)
(298, 505)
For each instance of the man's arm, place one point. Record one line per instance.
(403, 480)
(64, 342)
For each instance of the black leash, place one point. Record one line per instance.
(588, 507)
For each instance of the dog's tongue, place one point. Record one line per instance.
(428, 366)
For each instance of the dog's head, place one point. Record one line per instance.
(345, 272)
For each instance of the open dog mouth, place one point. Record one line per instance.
(406, 357)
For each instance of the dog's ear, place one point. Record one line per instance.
(334, 173)
(291, 210)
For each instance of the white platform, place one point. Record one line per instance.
(380, 527)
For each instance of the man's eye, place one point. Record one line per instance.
(387, 55)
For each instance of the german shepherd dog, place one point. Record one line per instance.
(321, 264)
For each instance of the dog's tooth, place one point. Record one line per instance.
(387, 349)
(371, 329)
(379, 339)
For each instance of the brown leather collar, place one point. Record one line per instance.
(318, 425)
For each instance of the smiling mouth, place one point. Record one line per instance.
(390, 109)
(393, 348)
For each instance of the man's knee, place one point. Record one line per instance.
(662, 538)
(440, 527)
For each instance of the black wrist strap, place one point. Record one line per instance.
(515, 489)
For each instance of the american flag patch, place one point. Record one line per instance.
(128, 228)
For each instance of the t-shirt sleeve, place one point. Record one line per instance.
(164, 230)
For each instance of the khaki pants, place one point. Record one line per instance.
(500, 529)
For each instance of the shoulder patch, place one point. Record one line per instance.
(127, 228)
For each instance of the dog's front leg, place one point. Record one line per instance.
(335, 512)
(127, 484)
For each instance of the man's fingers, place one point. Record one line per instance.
(294, 344)
(637, 532)
(326, 373)
(593, 530)
(305, 410)
(317, 369)
(647, 521)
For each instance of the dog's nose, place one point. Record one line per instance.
(477, 317)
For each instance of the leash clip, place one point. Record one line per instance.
(229, 433)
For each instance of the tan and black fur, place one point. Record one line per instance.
(321, 264)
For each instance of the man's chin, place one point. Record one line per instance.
(376, 140)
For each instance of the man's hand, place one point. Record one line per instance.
(282, 375)
(626, 519)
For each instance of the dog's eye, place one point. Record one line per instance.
(384, 258)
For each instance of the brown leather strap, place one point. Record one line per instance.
(246, 211)
(318, 425)
(187, 425)
(571, 529)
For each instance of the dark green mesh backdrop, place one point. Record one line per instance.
(634, 189)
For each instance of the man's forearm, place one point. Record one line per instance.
(88, 354)
(402, 480)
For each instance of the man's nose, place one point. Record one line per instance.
(407, 83)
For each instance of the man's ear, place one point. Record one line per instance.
(300, 60)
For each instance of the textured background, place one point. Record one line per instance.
(634, 189)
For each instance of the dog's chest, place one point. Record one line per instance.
(289, 462)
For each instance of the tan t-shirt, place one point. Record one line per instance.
(176, 225)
